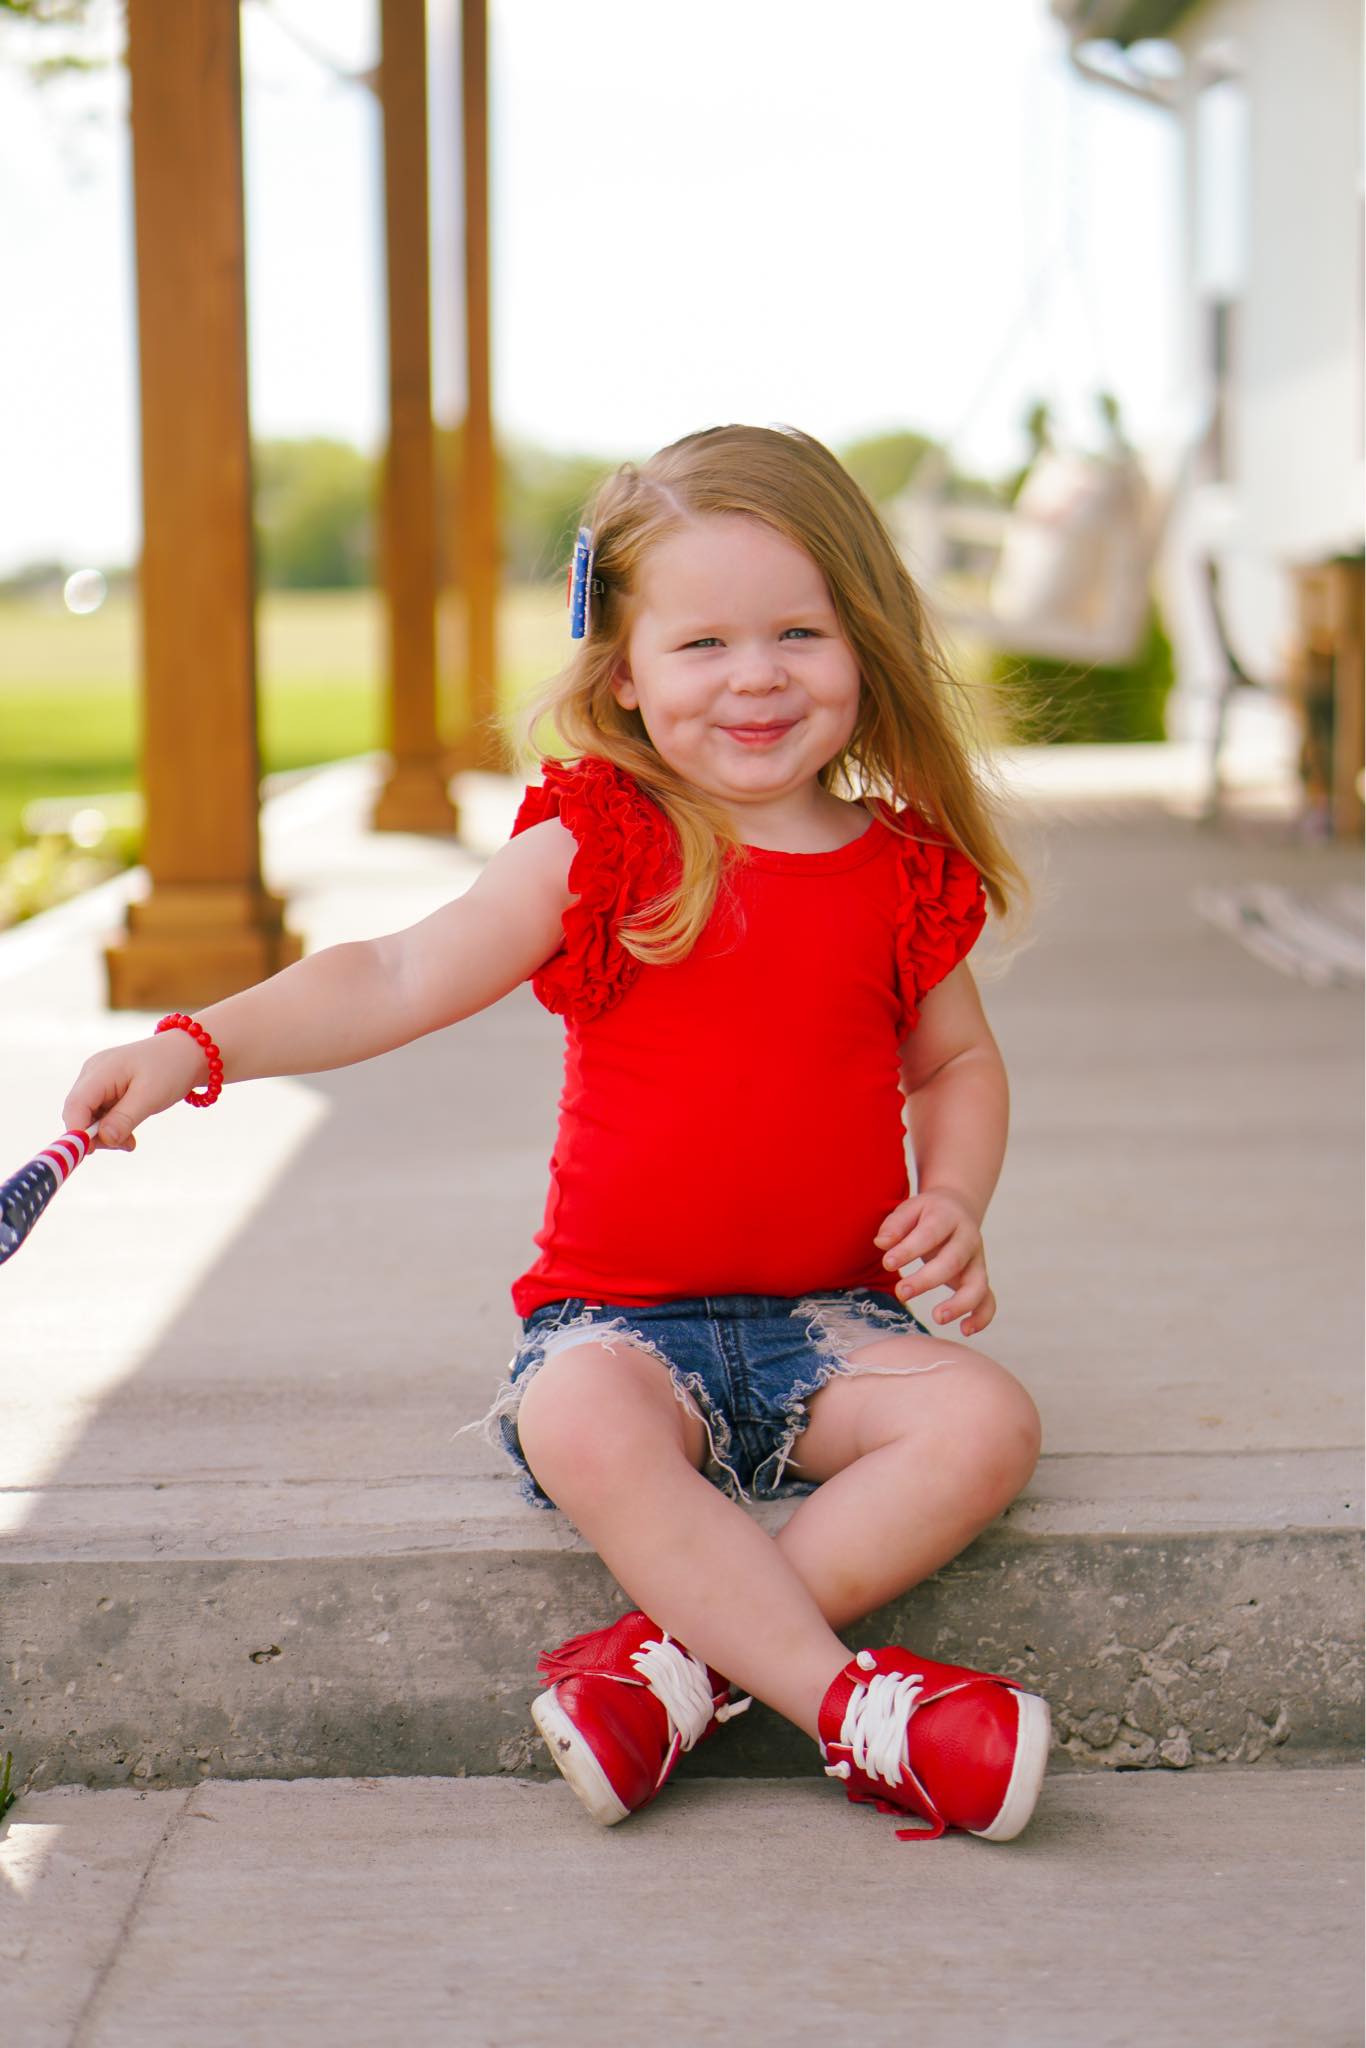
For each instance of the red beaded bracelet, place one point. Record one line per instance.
(199, 1098)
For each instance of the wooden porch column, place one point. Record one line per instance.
(415, 797)
(478, 567)
(208, 927)
(1326, 670)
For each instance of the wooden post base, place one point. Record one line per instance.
(415, 799)
(190, 944)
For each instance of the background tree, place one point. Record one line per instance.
(315, 515)
(883, 464)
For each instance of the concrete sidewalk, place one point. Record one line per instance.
(242, 1538)
(1137, 1910)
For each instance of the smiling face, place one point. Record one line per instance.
(738, 667)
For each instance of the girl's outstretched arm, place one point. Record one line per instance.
(350, 1002)
(959, 1109)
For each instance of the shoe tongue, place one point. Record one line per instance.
(830, 1719)
(601, 1649)
(609, 1650)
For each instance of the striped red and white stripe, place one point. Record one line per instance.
(67, 1152)
(25, 1195)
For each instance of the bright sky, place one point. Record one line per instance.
(769, 210)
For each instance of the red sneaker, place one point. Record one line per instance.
(626, 1702)
(961, 1748)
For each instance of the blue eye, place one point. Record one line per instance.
(711, 639)
(714, 640)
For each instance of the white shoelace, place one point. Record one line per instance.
(681, 1686)
(875, 1723)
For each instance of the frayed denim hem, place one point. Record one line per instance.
(836, 1326)
(498, 1427)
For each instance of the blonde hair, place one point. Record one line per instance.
(915, 741)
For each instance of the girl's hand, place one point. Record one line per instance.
(130, 1082)
(938, 1227)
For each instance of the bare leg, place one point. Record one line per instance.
(609, 1442)
(912, 1468)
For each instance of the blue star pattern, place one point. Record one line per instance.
(27, 1193)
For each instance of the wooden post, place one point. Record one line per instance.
(478, 567)
(1349, 671)
(1326, 670)
(208, 927)
(415, 797)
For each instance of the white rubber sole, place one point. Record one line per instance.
(1026, 1778)
(576, 1763)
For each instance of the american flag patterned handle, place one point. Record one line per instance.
(27, 1193)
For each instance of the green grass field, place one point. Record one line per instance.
(68, 695)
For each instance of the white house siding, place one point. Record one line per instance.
(1296, 474)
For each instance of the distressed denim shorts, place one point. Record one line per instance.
(745, 1363)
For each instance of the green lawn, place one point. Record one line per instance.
(68, 699)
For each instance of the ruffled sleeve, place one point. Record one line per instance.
(626, 857)
(941, 908)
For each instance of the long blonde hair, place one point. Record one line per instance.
(915, 741)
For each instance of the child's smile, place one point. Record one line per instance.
(740, 671)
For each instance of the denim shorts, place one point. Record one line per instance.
(745, 1363)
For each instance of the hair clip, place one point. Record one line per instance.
(584, 586)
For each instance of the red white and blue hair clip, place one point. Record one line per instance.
(584, 586)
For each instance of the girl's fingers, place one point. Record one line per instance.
(900, 1220)
(936, 1272)
(902, 1254)
(961, 1303)
(935, 1236)
(971, 1291)
(928, 1243)
(981, 1316)
(116, 1131)
(84, 1107)
(93, 1094)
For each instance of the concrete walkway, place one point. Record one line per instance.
(239, 1539)
(1143, 1911)
(1173, 1244)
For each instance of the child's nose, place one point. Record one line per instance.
(757, 668)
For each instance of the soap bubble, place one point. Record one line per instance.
(88, 827)
(85, 591)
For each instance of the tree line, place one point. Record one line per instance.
(316, 504)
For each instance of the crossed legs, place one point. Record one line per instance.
(911, 1469)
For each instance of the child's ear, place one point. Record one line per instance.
(623, 689)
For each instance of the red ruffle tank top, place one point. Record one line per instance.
(732, 1123)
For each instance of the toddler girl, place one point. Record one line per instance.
(749, 890)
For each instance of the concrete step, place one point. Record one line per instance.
(1174, 1610)
(1143, 1911)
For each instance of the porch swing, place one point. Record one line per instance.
(1073, 558)
(1065, 573)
